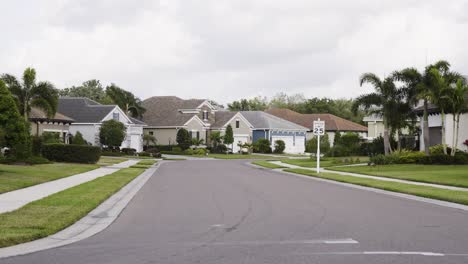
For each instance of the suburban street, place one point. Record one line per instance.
(226, 211)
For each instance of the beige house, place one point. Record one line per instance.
(40, 123)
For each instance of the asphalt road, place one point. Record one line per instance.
(228, 212)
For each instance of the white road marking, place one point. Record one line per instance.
(281, 242)
(428, 254)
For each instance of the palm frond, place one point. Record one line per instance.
(370, 78)
(366, 102)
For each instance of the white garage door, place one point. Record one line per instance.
(239, 138)
(293, 145)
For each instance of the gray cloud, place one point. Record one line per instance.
(227, 49)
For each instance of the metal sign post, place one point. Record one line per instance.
(319, 130)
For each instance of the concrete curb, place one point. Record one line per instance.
(375, 190)
(96, 221)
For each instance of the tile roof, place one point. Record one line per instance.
(262, 120)
(332, 122)
(37, 114)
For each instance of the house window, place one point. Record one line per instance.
(237, 123)
(205, 115)
(151, 133)
(115, 116)
(198, 135)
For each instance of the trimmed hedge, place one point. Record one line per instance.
(71, 153)
(420, 158)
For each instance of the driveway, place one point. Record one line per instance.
(226, 211)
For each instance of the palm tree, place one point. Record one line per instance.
(385, 101)
(128, 102)
(458, 105)
(422, 86)
(28, 93)
(148, 140)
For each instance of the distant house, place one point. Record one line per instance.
(165, 115)
(435, 128)
(40, 123)
(89, 115)
(333, 123)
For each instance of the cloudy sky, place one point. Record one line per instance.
(230, 49)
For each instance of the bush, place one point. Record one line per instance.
(71, 153)
(412, 157)
(162, 147)
(112, 153)
(78, 139)
(280, 146)
(188, 151)
(311, 144)
(129, 151)
(36, 145)
(262, 146)
(220, 149)
(183, 139)
(177, 149)
(51, 137)
(439, 150)
(144, 154)
(112, 133)
(199, 151)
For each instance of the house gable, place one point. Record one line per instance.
(122, 117)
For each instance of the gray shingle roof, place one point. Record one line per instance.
(37, 114)
(221, 118)
(262, 120)
(163, 110)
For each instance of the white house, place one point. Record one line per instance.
(89, 116)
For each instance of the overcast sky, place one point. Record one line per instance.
(230, 49)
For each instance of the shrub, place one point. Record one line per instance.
(228, 138)
(36, 145)
(188, 151)
(439, 150)
(199, 151)
(311, 144)
(220, 148)
(280, 146)
(129, 151)
(112, 133)
(162, 147)
(262, 146)
(34, 160)
(144, 154)
(51, 137)
(412, 157)
(177, 149)
(112, 153)
(71, 153)
(183, 139)
(78, 139)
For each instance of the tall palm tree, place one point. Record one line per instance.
(385, 101)
(128, 102)
(457, 105)
(30, 93)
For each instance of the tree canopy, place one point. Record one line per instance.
(112, 133)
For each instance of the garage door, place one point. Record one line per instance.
(293, 145)
(239, 138)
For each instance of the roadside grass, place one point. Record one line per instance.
(325, 162)
(460, 197)
(237, 156)
(144, 164)
(58, 211)
(173, 158)
(453, 175)
(267, 164)
(13, 177)
(107, 161)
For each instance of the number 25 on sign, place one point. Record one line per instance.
(318, 130)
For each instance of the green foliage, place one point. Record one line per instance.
(279, 146)
(149, 140)
(311, 144)
(51, 137)
(439, 149)
(78, 139)
(197, 142)
(71, 153)
(414, 157)
(2, 138)
(15, 128)
(183, 139)
(91, 89)
(254, 104)
(112, 133)
(347, 144)
(262, 146)
(126, 100)
(129, 151)
(36, 145)
(228, 136)
(30, 93)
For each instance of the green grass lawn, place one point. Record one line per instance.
(454, 175)
(58, 211)
(144, 164)
(423, 191)
(237, 156)
(266, 164)
(327, 162)
(13, 177)
(107, 161)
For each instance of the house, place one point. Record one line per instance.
(273, 128)
(89, 115)
(165, 115)
(333, 123)
(375, 127)
(40, 123)
(435, 128)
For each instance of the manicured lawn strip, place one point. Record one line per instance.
(237, 156)
(453, 175)
(58, 211)
(460, 197)
(147, 162)
(173, 158)
(107, 161)
(328, 162)
(266, 164)
(13, 177)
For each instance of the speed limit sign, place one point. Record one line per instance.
(319, 128)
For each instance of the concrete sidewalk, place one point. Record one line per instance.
(380, 178)
(15, 199)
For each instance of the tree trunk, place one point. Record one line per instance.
(444, 145)
(426, 138)
(25, 113)
(399, 140)
(454, 145)
(386, 139)
(456, 134)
